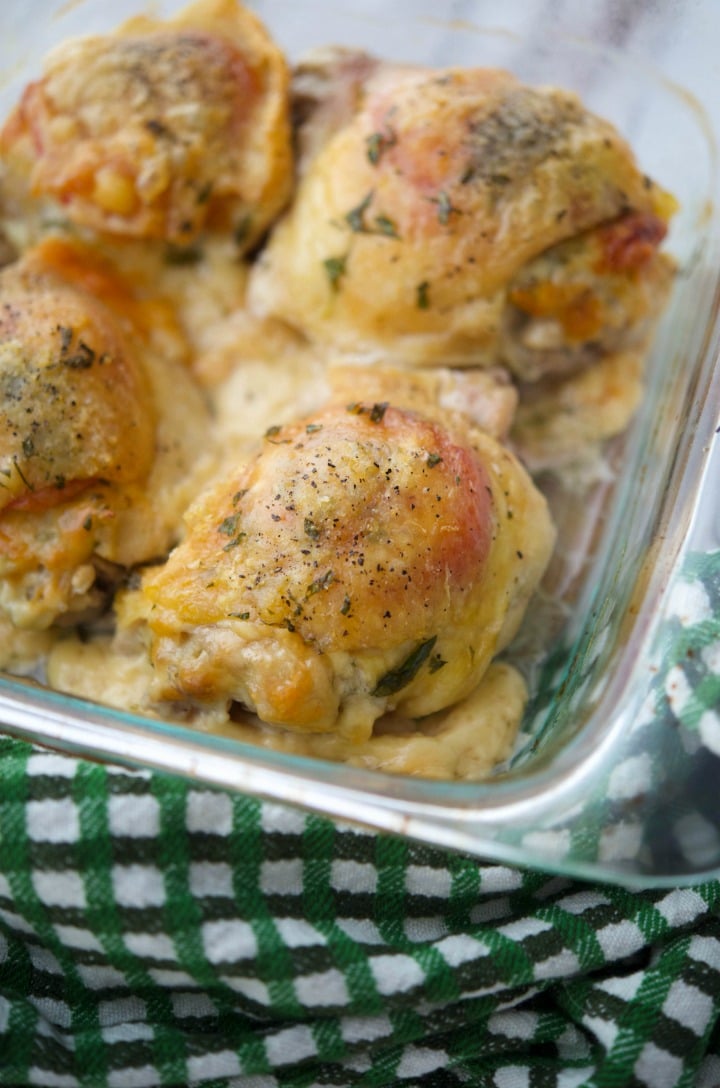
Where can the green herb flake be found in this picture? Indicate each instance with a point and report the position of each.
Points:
(311, 529)
(335, 268)
(239, 615)
(236, 540)
(28, 446)
(436, 662)
(182, 255)
(386, 226)
(445, 208)
(204, 193)
(272, 431)
(313, 428)
(87, 524)
(59, 480)
(355, 218)
(397, 679)
(423, 297)
(345, 608)
(66, 336)
(377, 412)
(82, 359)
(324, 582)
(239, 495)
(433, 459)
(242, 230)
(379, 142)
(228, 527)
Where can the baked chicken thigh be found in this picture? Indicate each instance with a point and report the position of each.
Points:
(459, 217)
(99, 434)
(159, 129)
(371, 557)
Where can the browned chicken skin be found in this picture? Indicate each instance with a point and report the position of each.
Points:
(369, 558)
(92, 455)
(458, 217)
(160, 129)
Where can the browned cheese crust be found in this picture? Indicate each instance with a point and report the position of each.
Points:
(459, 217)
(93, 456)
(161, 128)
(369, 558)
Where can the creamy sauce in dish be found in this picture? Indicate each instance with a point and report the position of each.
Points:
(273, 397)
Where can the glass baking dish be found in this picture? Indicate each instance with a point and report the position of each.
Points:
(599, 785)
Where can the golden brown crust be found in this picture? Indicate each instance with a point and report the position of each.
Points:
(76, 405)
(99, 433)
(412, 219)
(368, 558)
(161, 128)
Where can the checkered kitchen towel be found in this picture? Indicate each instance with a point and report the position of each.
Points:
(157, 933)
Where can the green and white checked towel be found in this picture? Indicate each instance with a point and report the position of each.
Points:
(156, 933)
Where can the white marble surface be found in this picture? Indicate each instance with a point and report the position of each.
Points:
(680, 37)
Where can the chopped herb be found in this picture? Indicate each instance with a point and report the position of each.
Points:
(382, 224)
(272, 431)
(239, 495)
(28, 446)
(345, 606)
(376, 413)
(397, 679)
(311, 428)
(321, 583)
(81, 359)
(182, 255)
(20, 473)
(235, 542)
(239, 615)
(423, 300)
(311, 529)
(204, 193)
(66, 335)
(228, 527)
(433, 459)
(377, 143)
(335, 269)
(289, 624)
(445, 207)
(157, 128)
(386, 226)
(242, 230)
(87, 524)
(355, 218)
(436, 663)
